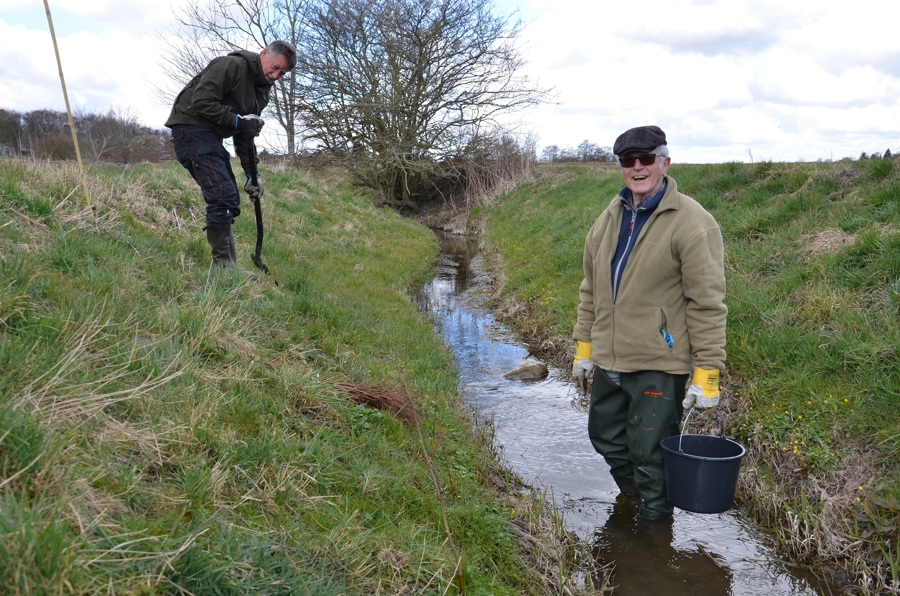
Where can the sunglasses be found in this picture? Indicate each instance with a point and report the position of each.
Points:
(646, 160)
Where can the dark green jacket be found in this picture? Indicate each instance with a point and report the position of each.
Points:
(228, 86)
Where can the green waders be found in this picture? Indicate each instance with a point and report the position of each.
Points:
(626, 424)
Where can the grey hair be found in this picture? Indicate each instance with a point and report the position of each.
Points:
(662, 151)
(285, 49)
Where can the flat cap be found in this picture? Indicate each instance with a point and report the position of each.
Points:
(641, 138)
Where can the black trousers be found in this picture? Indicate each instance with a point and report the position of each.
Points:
(626, 423)
(201, 152)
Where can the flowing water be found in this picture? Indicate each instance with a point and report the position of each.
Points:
(542, 433)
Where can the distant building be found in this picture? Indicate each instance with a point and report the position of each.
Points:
(6, 150)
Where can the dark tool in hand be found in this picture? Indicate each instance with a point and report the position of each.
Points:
(254, 179)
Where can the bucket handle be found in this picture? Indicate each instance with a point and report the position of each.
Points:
(684, 426)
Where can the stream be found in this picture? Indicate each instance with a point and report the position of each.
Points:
(541, 433)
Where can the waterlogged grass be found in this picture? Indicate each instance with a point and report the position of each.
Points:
(813, 273)
(167, 428)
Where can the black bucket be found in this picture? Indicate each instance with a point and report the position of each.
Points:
(701, 471)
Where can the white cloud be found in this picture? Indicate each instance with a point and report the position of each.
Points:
(103, 68)
(808, 79)
(89, 14)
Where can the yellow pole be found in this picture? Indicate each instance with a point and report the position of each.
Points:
(62, 80)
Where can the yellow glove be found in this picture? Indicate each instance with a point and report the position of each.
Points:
(704, 389)
(583, 367)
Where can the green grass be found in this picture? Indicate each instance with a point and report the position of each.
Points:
(167, 428)
(813, 273)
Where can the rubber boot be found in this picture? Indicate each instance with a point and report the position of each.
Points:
(224, 250)
(221, 241)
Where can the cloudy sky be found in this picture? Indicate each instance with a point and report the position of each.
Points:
(728, 80)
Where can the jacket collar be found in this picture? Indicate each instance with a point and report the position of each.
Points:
(254, 64)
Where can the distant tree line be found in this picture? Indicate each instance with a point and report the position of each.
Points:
(115, 137)
(887, 155)
(584, 152)
(589, 152)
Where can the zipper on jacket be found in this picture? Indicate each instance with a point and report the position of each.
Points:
(612, 344)
(617, 276)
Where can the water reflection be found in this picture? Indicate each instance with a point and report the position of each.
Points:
(646, 560)
(542, 434)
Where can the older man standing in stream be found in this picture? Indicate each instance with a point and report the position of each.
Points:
(652, 315)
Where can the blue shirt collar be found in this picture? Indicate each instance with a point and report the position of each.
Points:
(649, 203)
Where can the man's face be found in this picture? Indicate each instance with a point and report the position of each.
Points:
(644, 180)
(274, 65)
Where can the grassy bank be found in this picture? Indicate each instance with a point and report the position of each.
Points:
(167, 428)
(813, 380)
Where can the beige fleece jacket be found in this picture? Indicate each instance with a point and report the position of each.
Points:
(674, 279)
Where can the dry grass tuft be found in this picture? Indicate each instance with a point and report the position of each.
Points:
(830, 240)
(62, 399)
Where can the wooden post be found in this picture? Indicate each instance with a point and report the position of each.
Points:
(62, 81)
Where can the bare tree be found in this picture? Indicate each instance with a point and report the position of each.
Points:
(106, 137)
(587, 151)
(118, 136)
(550, 153)
(212, 28)
(44, 123)
(11, 131)
(409, 88)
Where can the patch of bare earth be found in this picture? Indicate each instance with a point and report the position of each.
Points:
(829, 240)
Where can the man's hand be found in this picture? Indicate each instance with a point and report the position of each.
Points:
(583, 367)
(251, 124)
(704, 389)
(255, 192)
